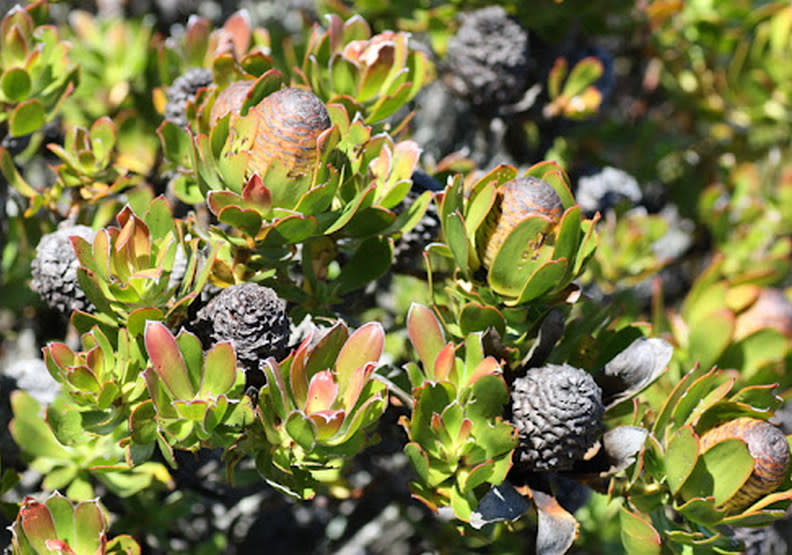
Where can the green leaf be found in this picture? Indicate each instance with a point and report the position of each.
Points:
(710, 336)
(371, 260)
(489, 395)
(638, 536)
(664, 417)
(481, 200)
(103, 138)
(89, 527)
(545, 278)
(518, 256)
(15, 84)
(343, 75)
(268, 83)
(219, 372)
(760, 397)
(65, 422)
(362, 200)
(568, 234)
(419, 460)
(556, 77)
(136, 322)
(458, 241)
(27, 117)
(696, 393)
(143, 424)
(324, 354)
(702, 511)
(288, 231)
(276, 388)
(585, 73)
(192, 411)
(13, 177)
(62, 512)
(30, 431)
(159, 218)
(388, 105)
(373, 220)
(246, 220)
(730, 464)
(478, 475)
(301, 429)
(681, 457)
(192, 351)
(477, 317)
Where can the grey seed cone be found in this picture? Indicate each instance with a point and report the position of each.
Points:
(54, 270)
(557, 410)
(489, 59)
(183, 90)
(252, 317)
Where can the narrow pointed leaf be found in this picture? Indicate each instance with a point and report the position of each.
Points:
(426, 335)
(444, 363)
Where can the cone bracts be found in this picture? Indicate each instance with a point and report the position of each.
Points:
(769, 448)
(516, 200)
(252, 318)
(284, 126)
(557, 410)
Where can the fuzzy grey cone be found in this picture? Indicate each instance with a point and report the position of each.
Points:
(605, 189)
(489, 58)
(557, 410)
(252, 317)
(766, 540)
(54, 270)
(183, 90)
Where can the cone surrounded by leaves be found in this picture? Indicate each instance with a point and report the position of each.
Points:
(183, 90)
(252, 317)
(54, 270)
(516, 200)
(769, 448)
(557, 410)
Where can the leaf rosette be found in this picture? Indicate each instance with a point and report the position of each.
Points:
(196, 398)
(459, 444)
(317, 408)
(59, 526)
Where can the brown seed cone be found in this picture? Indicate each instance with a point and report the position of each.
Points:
(769, 448)
(516, 200)
(289, 122)
(230, 100)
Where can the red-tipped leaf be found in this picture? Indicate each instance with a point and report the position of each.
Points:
(322, 392)
(425, 333)
(444, 363)
(167, 360)
(365, 345)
